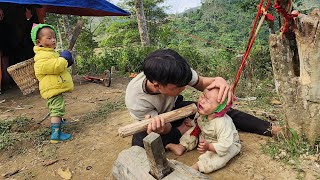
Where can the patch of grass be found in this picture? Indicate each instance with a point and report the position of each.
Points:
(12, 130)
(96, 116)
(5, 127)
(6, 140)
(18, 124)
(290, 148)
(39, 136)
(22, 129)
(49, 151)
(21, 124)
(104, 110)
(263, 90)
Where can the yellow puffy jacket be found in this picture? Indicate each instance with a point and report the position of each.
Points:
(51, 71)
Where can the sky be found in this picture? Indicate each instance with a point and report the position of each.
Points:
(175, 6)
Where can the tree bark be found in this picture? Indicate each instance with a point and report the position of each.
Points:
(60, 37)
(296, 64)
(142, 23)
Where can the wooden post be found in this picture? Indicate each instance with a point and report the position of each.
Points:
(159, 166)
(295, 61)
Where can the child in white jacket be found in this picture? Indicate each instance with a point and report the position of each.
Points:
(218, 139)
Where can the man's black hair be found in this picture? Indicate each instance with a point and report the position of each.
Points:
(166, 66)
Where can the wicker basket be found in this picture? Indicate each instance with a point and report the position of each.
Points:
(23, 74)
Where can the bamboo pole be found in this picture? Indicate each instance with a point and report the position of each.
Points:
(171, 116)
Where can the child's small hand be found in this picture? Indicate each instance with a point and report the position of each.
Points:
(203, 146)
(68, 56)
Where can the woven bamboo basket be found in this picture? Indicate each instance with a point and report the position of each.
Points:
(23, 74)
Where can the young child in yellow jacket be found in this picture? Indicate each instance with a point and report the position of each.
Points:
(51, 70)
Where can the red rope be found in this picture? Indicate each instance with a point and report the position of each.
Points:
(288, 17)
(288, 20)
(251, 40)
(196, 131)
(267, 6)
(255, 22)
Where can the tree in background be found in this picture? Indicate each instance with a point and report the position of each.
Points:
(119, 38)
(122, 31)
(142, 23)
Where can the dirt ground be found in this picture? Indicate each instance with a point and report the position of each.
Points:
(94, 148)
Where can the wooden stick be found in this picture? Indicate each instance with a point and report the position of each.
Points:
(171, 116)
(44, 118)
(75, 34)
(7, 175)
(48, 163)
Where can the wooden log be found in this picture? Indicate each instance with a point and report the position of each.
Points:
(132, 164)
(171, 116)
(159, 165)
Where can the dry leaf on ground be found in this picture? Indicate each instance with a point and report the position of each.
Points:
(64, 173)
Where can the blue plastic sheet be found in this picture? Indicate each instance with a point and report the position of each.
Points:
(76, 7)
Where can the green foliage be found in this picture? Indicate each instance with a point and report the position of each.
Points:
(195, 58)
(122, 32)
(227, 26)
(130, 59)
(86, 44)
(190, 94)
(5, 127)
(126, 59)
(304, 6)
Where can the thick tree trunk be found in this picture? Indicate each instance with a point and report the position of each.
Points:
(142, 23)
(296, 65)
